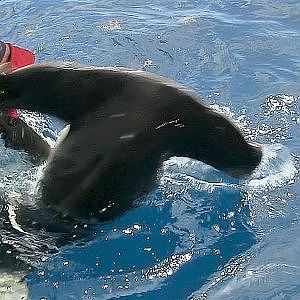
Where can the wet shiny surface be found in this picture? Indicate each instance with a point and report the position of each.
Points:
(200, 234)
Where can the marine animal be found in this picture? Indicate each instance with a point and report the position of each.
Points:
(123, 125)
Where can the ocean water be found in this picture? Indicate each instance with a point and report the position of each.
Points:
(200, 234)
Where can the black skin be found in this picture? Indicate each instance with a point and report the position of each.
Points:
(124, 124)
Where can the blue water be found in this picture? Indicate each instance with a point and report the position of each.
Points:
(200, 234)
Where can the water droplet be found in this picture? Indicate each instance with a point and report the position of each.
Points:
(137, 226)
(128, 231)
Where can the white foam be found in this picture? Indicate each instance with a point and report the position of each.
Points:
(13, 286)
(277, 168)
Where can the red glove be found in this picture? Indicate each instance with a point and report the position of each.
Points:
(19, 58)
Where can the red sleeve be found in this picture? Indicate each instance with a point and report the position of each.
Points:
(20, 57)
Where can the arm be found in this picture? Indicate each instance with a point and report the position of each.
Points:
(18, 57)
(17, 132)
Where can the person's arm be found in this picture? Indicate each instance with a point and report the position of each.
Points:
(20, 57)
(17, 56)
(17, 132)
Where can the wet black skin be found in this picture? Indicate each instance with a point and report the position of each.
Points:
(124, 124)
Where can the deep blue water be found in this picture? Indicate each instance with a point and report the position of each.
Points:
(200, 234)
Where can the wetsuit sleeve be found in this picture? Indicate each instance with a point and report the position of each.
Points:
(20, 57)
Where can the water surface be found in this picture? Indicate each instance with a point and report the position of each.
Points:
(200, 234)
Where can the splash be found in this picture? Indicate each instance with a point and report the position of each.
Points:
(276, 169)
(12, 286)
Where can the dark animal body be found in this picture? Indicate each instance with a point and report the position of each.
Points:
(124, 124)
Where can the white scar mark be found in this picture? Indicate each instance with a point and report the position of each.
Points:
(129, 136)
(175, 122)
(120, 115)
